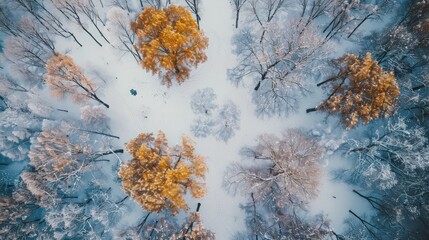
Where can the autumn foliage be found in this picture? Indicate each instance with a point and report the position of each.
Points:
(361, 90)
(158, 176)
(65, 77)
(170, 42)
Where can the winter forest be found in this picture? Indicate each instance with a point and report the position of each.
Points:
(214, 119)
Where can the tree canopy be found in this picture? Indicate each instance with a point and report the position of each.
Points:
(170, 42)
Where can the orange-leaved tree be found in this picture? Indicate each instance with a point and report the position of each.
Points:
(63, 77)
(158, 176)
(170, 42)
(361, 90)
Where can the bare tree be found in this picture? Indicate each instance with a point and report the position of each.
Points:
(123, 4)
(348, 16)
(64, 77)
(17, 216)
(340, 18)
(158, 4)
(372, 11)
(118, 24)
(228, 121)
(61, 153)
(238, 5)
(94, 118)
(89, 9)
(194, 5)
(264, 12)
(204, 101)
(313, 9)
(17, 126)
(265, 222)
(29, 50)
(390, 152)
(7, 20)
(72, 11)
(42, 14)
(278, 65)
(285, 170)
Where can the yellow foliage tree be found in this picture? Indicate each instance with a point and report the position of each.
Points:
(65, 77)
(170, 42)
(158, 176)
(361, 90)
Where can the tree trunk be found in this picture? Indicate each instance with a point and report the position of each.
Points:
(110, 152)
(123, 199)
(257, 86)
(309, 110)
(100, 133)
(140, 226)
(198, 20)
(192, 223)
(327, 80)
(418, 87)
(237, 15)
(153, 230)
(100, 101)
(361, 22)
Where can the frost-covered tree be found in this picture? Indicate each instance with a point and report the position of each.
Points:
(76, 10)
(17, 126)
(67, 221)
(43, 15)
(44, 194)
(194, 229)
(28, 50)
(94, 118)
(158, 4)
(204, 101)
(263, 12)
(120, 34)
(346, 17)
(61, 153)
(221, 122)
(203, 126)
(372, 9)
(265, 222)
(127, 5)
(283, 169)
(162, 227)
(7, 20)
(391, 151)
(228, 121)
(89, 219)
(17, 214)
(390, 161)
(64, 77)
(238, 5)
(277, 65)
(343, 14)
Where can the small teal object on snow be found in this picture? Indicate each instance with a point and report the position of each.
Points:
(133, 92)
